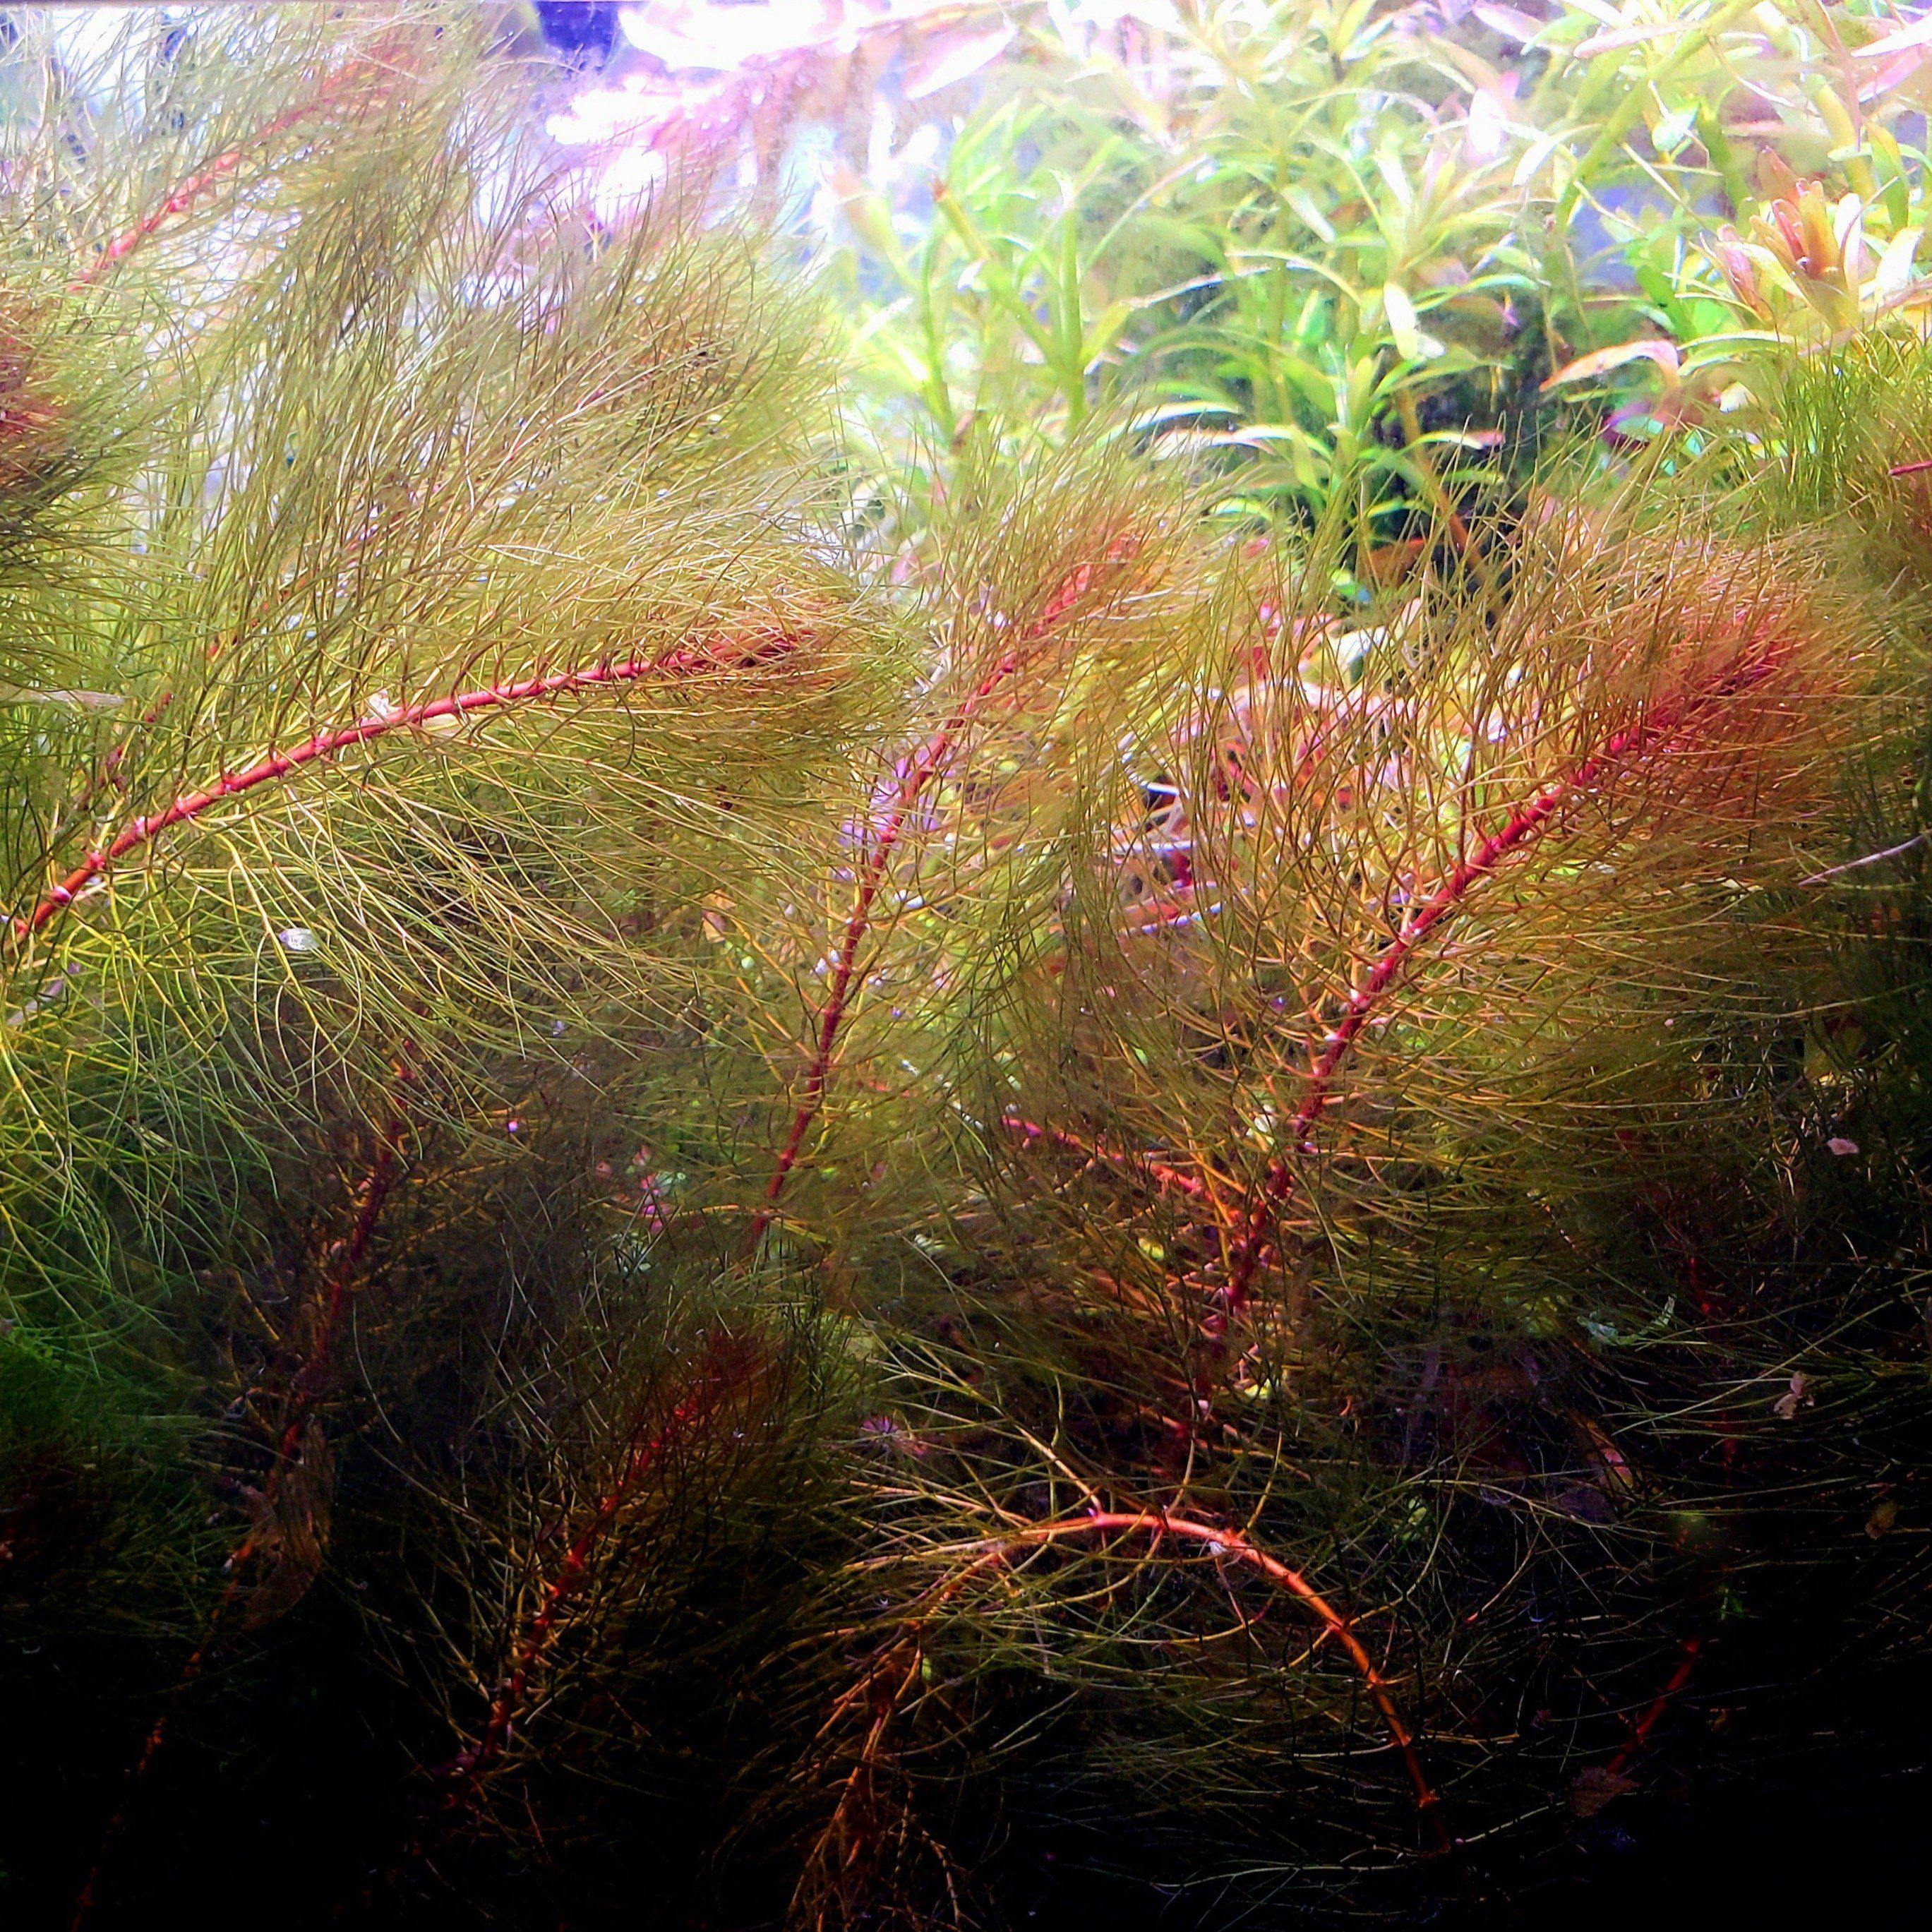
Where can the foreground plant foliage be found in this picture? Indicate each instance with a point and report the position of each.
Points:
(688, 1217)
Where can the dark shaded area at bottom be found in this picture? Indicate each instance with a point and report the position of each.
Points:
(1825, 1829)
(1828, 1827)
(1827, 1837)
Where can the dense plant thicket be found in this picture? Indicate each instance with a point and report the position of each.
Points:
(1309, 246)
(1081, 1210)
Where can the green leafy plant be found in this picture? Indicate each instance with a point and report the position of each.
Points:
(694, 1204)
(1348, 242)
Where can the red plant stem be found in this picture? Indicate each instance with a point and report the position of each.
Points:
(1149, 1522)
(930, 757)
(191, 189)
(327, 745)
(857, 1783)
(371, 1196)
(109, 772)
(721, 1372)
(1231, 1543)
(88, 1897)
(313, 1377)
(1640, 1732)
(1155, 1170)
(184, 198)
(915, 773)
(1518, 832)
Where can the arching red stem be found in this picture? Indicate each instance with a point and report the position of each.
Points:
(900, 1664)
(327, 744)
(1232, 1543)
(1517, 834)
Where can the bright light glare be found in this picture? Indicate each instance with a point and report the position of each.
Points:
(703, 36)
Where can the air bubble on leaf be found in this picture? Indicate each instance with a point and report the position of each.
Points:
(1674, 130)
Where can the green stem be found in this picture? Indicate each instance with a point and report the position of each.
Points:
(1624, 116)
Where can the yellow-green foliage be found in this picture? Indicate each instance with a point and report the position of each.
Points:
(681, 1213)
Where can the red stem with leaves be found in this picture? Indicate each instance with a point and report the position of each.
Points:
(194, 187)
(311, 1379)
(1159, 1172)
(325, 745)
(346, 1257)
(915, 773)
(721, 1375)
(1516, 835)
(1154, 1524)
(1686, 1664)
(1233, 1546)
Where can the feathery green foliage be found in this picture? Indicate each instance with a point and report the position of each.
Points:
(688, 1213)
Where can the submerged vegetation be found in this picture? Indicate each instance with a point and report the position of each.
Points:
(1137, 1119)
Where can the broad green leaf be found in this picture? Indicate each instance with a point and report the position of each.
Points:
(1894, 266)
(1411, 343)
(1601, 361)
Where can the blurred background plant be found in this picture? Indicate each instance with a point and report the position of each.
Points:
(1387, 249)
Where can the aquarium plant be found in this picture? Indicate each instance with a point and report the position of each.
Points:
(1077, 1209)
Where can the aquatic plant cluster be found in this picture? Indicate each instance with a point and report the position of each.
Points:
(788, 1149)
